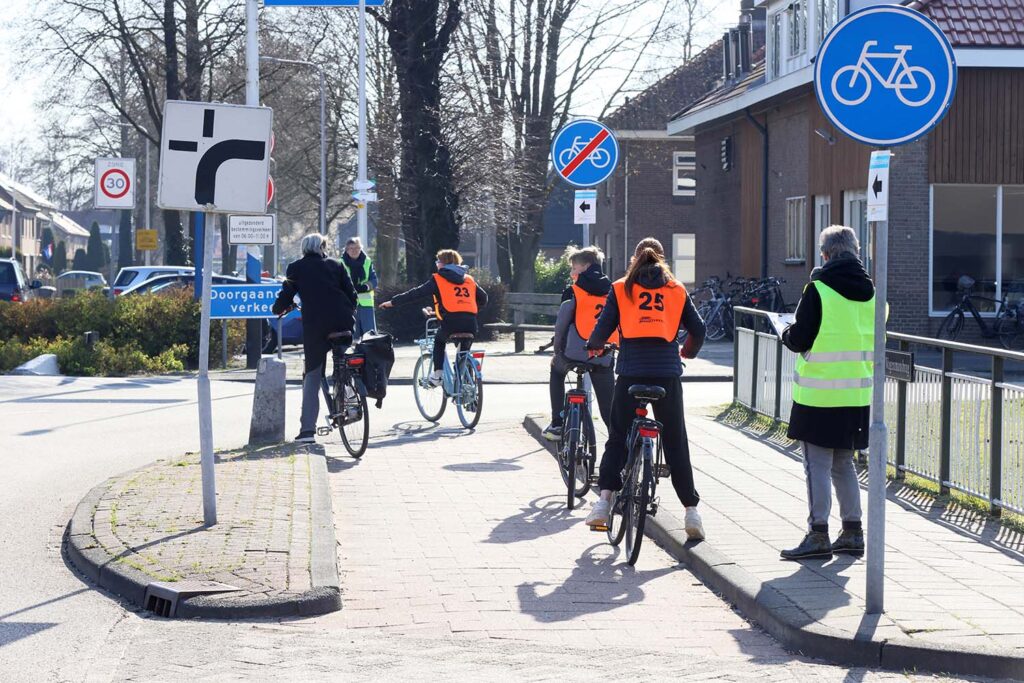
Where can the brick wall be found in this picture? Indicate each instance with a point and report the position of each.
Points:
(908, 240)
(717, 209)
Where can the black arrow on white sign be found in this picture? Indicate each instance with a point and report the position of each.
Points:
(876, 187)
(584, 206)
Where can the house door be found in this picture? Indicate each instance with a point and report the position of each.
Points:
(822, 219)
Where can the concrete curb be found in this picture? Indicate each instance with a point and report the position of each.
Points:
(791, 626)
(103, 570)
(407, 382)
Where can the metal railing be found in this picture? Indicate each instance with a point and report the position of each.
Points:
(963, 430)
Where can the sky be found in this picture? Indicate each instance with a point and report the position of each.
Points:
(19, 92)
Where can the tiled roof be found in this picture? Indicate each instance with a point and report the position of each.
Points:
(977, 23)
(726, 91)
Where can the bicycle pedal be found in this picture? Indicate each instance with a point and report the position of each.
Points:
(598, 527)
(663, 471)
(654, 509)
(323, 431)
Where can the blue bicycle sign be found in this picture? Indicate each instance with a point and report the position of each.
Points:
(584, 153)
(885, 75)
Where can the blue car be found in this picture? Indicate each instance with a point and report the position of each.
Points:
(291, 330)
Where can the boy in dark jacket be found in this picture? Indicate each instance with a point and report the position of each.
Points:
(457, 300)
(829, 417)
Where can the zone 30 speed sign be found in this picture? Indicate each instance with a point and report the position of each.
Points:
(115, 184)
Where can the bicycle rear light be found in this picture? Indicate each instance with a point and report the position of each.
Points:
(577, 398)
(355, 361)
(478, 356)
(642, 412)
(649, 432)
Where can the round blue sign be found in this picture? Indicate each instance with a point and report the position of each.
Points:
(885, 75)
(584, 153)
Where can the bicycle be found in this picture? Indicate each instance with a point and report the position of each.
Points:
(577, 448)
(599, 157)
(902, 77)
(461, 383)
(645, 465)
(1008, 326)
(346, 400)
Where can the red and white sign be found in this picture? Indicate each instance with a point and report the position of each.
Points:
(270, 190)
(115, 184)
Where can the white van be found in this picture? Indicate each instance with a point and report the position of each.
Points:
(135, 275)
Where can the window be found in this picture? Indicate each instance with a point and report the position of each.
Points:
(797, 15)
(684, 174)
(855, 215)
(684, 257)
(774, 45)
(828, 16)
(978, 231)
(726, 153)
(796, 229)
(822, 219)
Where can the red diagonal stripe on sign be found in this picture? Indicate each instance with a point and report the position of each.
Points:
(587, 151)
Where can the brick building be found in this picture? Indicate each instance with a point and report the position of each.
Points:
(772, 171)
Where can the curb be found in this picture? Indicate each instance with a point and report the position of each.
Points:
(786, 622)
(97, 565)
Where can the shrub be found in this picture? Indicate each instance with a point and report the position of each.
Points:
(552, 275)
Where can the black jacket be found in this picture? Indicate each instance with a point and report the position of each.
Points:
(649, 357)
(451, 322)
(828, 427)
(328, 302)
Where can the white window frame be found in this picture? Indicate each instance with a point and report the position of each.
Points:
(796, 244)
(932, 313)
(865, 238)
(684, 163)
(792, 23)
(776, 29)
(822, 202)
(819, 19)
(678, 258)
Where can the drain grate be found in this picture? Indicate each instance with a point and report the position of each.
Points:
(162, 596)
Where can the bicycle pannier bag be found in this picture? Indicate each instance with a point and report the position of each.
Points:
(380, 357)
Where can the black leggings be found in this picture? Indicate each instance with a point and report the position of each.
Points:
(668, 411)
(602, 380)
(441, 340)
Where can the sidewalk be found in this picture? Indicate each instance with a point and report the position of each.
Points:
(272, 548)
(503, 366)
(954, 579)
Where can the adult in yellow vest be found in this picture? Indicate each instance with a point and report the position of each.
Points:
(577, 317)
(364, 279)
(834, 335)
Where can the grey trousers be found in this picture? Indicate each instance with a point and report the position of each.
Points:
(311, 383)
(365, 321)
(825, 468)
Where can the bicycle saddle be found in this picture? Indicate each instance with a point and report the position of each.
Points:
(647, 392)
(461, 335)
(965, 283)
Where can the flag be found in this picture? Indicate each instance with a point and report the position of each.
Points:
(48, 253)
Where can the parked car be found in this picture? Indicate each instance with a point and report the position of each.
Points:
(135, 275)
(13, 286)
(74, 281)
(168, 282)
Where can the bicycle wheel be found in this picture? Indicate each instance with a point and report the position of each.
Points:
(618, 518)
(430, 401)
(1010, 330)
(715, 325)
(582, 471)
(568, 452)
(354, 417)
(640, 497)
(470, 394)
(952, 325)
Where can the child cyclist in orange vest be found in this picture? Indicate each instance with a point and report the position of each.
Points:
(457, 300)
(650, 308)
(577, 317)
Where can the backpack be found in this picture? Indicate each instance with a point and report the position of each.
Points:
(380, 357)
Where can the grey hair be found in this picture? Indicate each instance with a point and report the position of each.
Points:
(354, 240)
(313, 243)
(839, 240)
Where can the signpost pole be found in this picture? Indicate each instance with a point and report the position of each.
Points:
(205, 405)
(149, 216)
(253, 329)
(878, 433)
(361, 216)
(323, 155)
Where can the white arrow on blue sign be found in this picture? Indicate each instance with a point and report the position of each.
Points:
(885, 75)
(584, 153)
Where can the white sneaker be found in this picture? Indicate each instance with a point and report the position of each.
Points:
(597, 520)
(435, 378)
(694, 527)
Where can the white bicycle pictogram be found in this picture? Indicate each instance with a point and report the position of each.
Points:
(902, 77)
(599, 157)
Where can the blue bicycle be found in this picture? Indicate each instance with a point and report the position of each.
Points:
(462, 382)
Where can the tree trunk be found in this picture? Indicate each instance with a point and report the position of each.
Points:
(124, 240)
(227, 251)
(174, 239)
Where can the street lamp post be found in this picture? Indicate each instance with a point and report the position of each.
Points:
(323, 131)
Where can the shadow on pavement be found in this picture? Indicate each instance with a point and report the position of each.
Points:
(499, 465)
(536, 520)
(595, 585)
(806, 593)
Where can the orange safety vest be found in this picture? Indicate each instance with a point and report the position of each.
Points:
(454, 298)
(650, 313)
(588, 310)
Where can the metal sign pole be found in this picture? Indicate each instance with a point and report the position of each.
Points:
(323, 155)
(205, 403)
(361, 180)
(149, 216)
(280, 321)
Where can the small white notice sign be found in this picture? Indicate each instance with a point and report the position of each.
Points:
(251, 229)
(878, 186)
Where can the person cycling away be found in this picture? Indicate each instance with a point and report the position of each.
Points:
(457, 300)
(328, 308)
(650, 308)
(577, 317)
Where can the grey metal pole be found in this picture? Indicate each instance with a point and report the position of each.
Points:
(280, 322)
(149, 216)
(205, 404)
(323, 152)
(252, 54)
(224, 342)
(361, 215)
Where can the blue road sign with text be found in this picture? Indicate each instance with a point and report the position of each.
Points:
(321, 3)
(243, 301)
(885, 75)
(584, 153)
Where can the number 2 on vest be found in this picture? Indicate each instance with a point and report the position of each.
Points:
(462, 291)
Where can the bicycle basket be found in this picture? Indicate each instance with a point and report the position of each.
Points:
(965, 283)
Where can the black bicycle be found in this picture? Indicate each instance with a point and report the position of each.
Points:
(346, 400)
(645, 464)
(577, 449)
(1008, 325)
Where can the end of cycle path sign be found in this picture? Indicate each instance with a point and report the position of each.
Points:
(115, 183)
(584, 153)
(885, 75)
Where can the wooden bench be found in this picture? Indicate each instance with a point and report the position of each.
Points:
(522, 304)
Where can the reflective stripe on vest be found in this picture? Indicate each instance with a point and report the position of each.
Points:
(588, 310)
(838, 370)
(366, 298)
(455, 298)
(650, 313)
